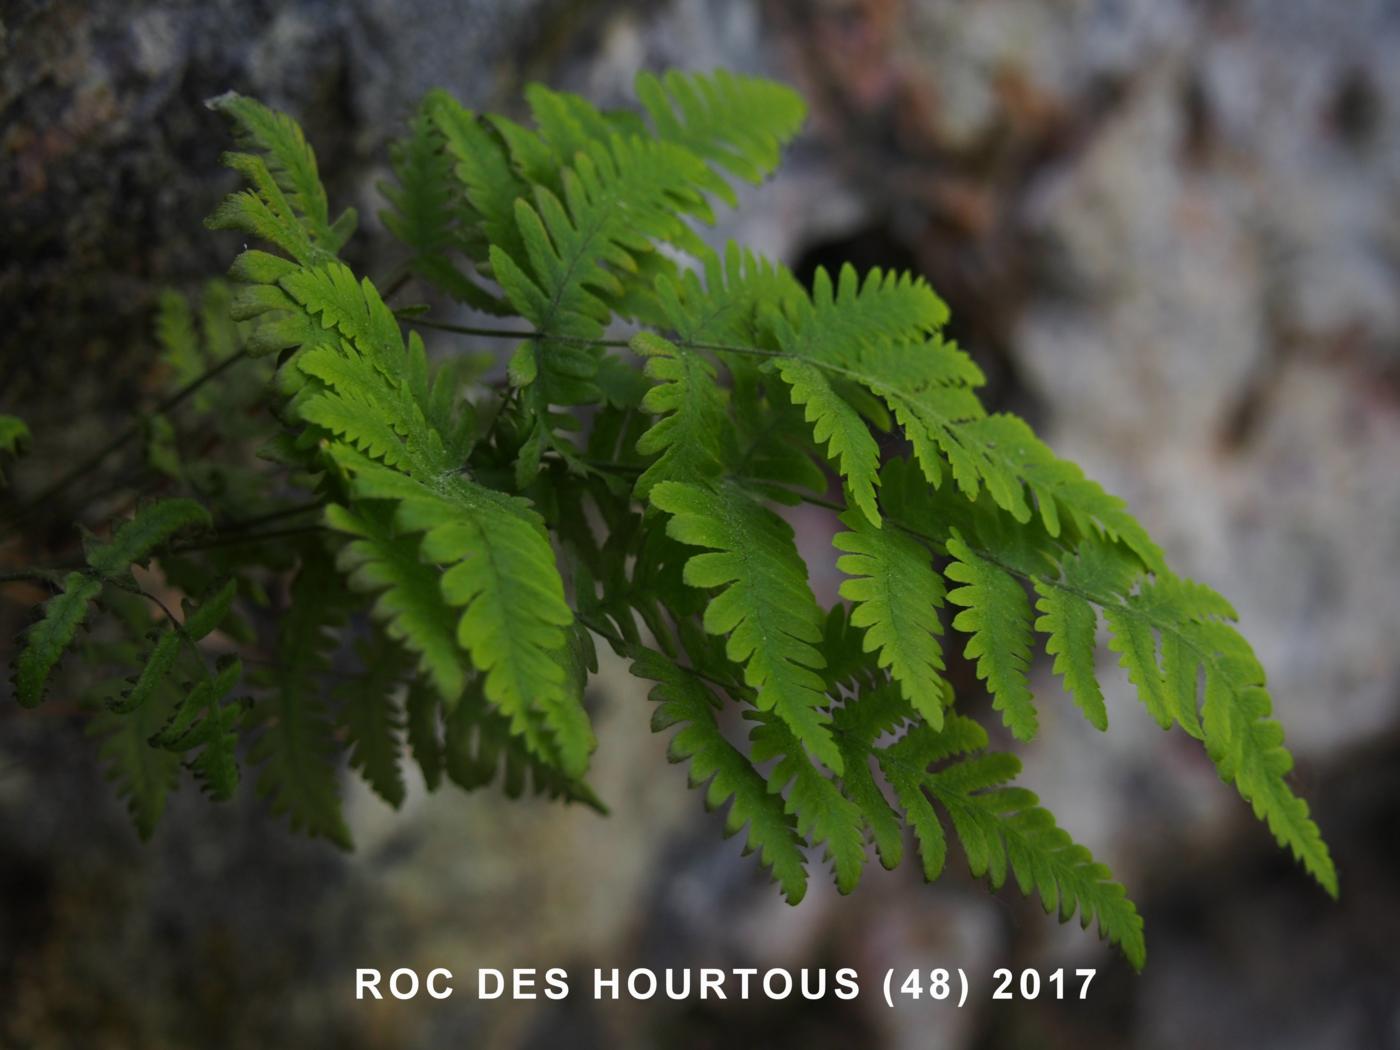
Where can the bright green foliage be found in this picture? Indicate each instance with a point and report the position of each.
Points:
(764, 605)
(838, 426)
(434, 552)
(825, 817)
(687, 702)
(895, 596)
(409, 599)
(691, 433)
(699, 111)
(500, 570)
(286, 203)
(997, 621)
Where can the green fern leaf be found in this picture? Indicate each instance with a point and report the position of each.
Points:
(1233, 715)
(996, 617)
(619, 197)
(1249, 750)
(1003, 827)
(1060, 488)
(285, 155)
(839, 427)
(825, 817)
(1132, 638)
(45, 642)
(409, 600)
(425, 210)
(501, 571)
(480, 746)
(1069, 620)
(691, 433)
(200, 621)
(859, 723)
(905, 764)
(896, 597)
(136, 540)
(201, 720)
(685, 701)
(725, 308)
(483, 169)
(765, 606)
(133, 542)
(737, 122)
(847, 322)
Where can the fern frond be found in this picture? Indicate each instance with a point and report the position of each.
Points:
(288, 185)
(737, 122)
(882, 334)
(1069, 620)
(501, 572)
(568, 123)
(764, 605)
(480, 746)
(136, 540)
(1248, 747)
(409, 600)
(1001, 827)
(331, 295)
(201, 620)
(656, 487)
(859, 724)
(1168, 633)
(692, 433)
(46, 641)
(685, 701)
(483, 169)
(1004, 828)
(905, 764)
(843, 323)
(896, 596)
(839, 427)
(996, 617)
(619, 197)
(1059, 487)
(825, 817)
(725, 307)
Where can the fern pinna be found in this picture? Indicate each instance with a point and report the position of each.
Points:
(463, 534)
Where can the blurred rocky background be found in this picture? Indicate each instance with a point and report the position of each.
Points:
(1170, 232)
